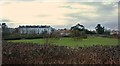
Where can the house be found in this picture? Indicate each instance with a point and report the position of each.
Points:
(64, 32)
(114, 32)
(34, 29)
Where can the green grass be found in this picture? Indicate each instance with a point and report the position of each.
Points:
(70, 42)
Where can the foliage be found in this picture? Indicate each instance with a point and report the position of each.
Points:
(107, 32)
(50, 38)
(4, 30)
(78, 27)
(89, 32)
(78, 32)
(76, 35)
(27, 53)
(99, 29)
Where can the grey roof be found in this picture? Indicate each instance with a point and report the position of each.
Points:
(34, 26)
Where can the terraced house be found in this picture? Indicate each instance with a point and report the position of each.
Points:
(34, 29)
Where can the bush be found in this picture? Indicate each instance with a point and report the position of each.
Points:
(22, 36)
(85, 37)
(76, 35)
(19, 53)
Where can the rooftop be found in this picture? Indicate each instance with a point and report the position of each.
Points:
(29, 26)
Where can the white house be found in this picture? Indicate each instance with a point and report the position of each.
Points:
(34, 29)
(114, 32)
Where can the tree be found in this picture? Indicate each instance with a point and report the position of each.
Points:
(55, 36)
(78, 27)
(99, 29)
(78, 32)
(46, 37)
(107, 32)
(5, 30)
(50, 38)
(89, 32)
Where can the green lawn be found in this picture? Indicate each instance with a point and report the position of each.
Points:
(70, 42)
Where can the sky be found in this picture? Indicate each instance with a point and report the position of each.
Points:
(60, 13)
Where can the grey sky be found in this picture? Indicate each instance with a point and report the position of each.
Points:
(61, 15)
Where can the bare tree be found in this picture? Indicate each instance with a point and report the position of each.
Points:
(55, 36)
(50, 38)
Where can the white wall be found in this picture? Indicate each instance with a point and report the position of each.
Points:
(33, 30)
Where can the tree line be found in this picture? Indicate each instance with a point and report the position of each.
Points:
(77, 32)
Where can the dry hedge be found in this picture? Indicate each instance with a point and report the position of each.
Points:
(18, 53)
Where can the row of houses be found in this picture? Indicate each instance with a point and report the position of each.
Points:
(28, 29)
(34, 29)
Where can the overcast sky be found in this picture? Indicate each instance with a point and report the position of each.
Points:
(59, 13)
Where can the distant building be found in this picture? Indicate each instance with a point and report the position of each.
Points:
(114, 32)
(64, 32)
(34, 29)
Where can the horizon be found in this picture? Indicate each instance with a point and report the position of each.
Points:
(58, 28)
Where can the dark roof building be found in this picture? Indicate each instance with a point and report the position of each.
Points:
(34, 29)
(34, 26)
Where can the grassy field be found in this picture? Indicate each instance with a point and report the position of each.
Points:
(70, 42)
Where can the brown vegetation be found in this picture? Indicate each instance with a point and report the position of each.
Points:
(17, 53)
